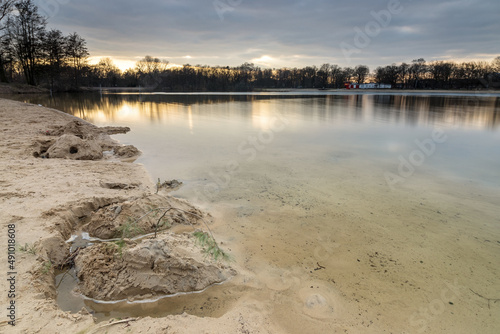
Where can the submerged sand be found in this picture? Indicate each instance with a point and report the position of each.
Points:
(381, 260)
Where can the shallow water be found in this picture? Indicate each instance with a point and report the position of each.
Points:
(344, 212)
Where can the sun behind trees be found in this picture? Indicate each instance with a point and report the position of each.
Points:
(32, 54)
(158, 75)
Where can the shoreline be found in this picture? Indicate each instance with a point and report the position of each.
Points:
(22, 89)
(33, 191)
(305, 91)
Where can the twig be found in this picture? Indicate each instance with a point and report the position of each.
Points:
(177, 209)
(189, 213)
(70, 258)
(319, 266)
(111, 324)
(159, 220)
(62, 279)
(488, 299)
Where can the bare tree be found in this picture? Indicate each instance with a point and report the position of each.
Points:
(441, 71)
(388, 74)
(107, 72)
(5, 10)
(76, 51)
(361, 72)
(403, 73)
(495, 65)
(150, 69)
(54, 53)
(337, 78)
(347, 74)
(417, 70)
(26, 30)
(324, 75)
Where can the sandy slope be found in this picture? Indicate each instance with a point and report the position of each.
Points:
(31, 187)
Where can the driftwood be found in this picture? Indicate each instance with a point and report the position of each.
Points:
(111, 324)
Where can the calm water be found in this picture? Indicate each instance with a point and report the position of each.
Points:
(190, 136)
(394, 196)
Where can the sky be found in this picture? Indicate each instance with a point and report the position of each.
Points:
(279, 33)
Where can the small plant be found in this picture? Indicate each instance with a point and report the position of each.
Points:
(209, 246)
(120, 245)
(130, 229)
(116, 247)
(46, 267)
(27, 248)
(127, 230)
(205, 239)
(158, 185)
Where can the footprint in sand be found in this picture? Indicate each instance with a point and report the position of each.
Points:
(277, 279)
(319, 301)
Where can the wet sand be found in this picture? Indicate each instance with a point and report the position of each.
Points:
(343, 252)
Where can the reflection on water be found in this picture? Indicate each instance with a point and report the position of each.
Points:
(179, 132)
(466, 111)
(205, 304)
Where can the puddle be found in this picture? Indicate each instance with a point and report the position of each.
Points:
(67, 298)
(213, 302)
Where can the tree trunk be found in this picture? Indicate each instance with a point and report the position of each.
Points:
(3, 75)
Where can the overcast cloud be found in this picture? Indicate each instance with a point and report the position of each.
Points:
(282, 33)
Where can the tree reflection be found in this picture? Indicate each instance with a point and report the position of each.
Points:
(464, 111)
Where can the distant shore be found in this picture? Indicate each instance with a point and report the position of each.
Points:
(11, 89)
(391, 91)
(21, 89)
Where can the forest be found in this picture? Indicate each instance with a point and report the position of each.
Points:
(33, 54)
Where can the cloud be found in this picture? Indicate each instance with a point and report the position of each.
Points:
(249, 30)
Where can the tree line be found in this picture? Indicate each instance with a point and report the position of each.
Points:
(31, 53)
(419, 74)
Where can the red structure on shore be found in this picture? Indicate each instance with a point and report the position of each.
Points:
(353, 85)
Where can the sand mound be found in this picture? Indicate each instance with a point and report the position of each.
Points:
(73, 147)
(155, 267)
(128, 151)
(115, 220)
(86, 130)
(78, 140)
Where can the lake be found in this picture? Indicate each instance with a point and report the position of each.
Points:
(369, 212)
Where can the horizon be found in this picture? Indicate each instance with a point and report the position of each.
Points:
(281, 34)
(130, 64)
